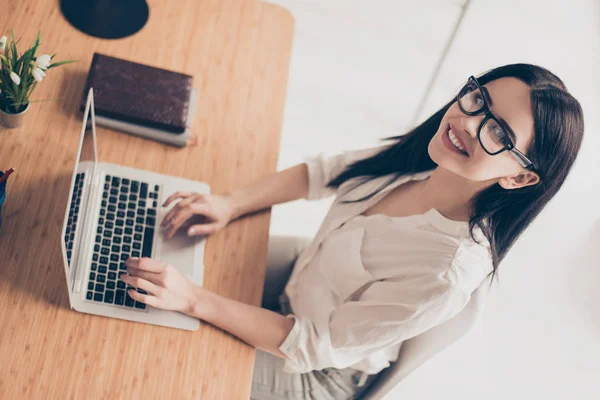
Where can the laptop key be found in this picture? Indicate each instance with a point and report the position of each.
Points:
(94, 266)
(126, 248)
(99, 287)
(120, 214)
(108, 225)
(122, 197)
(112, 267)
(144, 191)
(150, 221)
(139, 228)
(135, 253)
(128, 231)
(92, 276)
(89, 295)
(151, 212)
(110, 285)
(129, 302)
(102, 269)
(119, 222)
(113, 275)
(141, 306)
(139, 220)
(115, 248)
(98, 297)
(122, 206)
(109, 296)
(104, 260)
(90, 286)
(118, 231)
(117, 240)
(119, 297)
(100, 278)
(105, 251)
(125, 181)
(124, 257)
(114, 257)
(126, 239)
(120, 285)
(137, 245)
(130, 214)
(148, 239)
(115, 181)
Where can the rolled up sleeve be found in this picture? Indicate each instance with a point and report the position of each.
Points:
(387, 313)
(323, 168)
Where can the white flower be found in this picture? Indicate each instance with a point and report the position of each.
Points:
(38, 74)
(43, 61)
(15, 78)
(2, 44)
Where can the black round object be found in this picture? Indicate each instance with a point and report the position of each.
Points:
(108, 19)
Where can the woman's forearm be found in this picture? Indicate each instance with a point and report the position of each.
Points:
(281, 187)
(256, 326)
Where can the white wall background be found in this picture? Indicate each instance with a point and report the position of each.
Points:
(358, 72)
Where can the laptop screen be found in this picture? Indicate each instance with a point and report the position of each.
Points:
(79, 190)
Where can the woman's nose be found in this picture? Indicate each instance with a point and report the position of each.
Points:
(470, 124)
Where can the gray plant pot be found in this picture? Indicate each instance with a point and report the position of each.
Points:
(9, 120)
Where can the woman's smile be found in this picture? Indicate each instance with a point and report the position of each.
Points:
(449, 143)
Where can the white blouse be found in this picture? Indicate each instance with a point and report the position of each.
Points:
(367, 283)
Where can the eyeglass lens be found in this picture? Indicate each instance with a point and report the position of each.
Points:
(493, 136)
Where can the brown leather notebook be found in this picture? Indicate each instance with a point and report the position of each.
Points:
(139, 93)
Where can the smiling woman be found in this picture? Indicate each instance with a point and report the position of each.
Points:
(417, 229)
(514, 106)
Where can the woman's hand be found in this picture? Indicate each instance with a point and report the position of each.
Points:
(215, 211)
(167, 288)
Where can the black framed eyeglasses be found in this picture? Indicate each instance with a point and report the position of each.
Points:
(494, 135)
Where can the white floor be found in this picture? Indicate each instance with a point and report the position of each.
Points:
(359, 71)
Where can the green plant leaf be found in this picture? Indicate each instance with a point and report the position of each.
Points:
(14, 50)
(56, 64)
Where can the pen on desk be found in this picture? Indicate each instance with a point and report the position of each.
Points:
(4, 177)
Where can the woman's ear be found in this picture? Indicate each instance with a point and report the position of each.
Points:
(524, 178)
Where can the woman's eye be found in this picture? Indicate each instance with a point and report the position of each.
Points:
(478, 100)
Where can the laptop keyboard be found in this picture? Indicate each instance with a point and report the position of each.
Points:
(125, 228)
(73, 215)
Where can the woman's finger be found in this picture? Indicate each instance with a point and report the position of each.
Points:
(145, 264)
(183, 216)
(152, 277)
(141, 283)
(177, 208)
(203, 229)
(175, 196)
(143, 298)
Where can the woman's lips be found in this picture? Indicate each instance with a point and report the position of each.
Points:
(448, 143)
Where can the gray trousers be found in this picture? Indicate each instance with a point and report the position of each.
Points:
(269, 381)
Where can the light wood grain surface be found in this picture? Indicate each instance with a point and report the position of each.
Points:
(238, 53)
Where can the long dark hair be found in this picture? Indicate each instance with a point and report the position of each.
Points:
(558, 132)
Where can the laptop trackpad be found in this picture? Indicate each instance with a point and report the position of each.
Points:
(179, 251)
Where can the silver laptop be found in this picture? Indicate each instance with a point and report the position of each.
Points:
(115, 212)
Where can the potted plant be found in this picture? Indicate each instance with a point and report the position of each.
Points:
(19, 75)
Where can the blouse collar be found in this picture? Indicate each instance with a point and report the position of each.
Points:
(433, 216)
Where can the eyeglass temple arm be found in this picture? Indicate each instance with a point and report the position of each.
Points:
(520, 157)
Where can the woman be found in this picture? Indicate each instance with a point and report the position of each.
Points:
(417, 226)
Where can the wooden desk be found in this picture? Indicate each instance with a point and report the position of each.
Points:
(238, 52)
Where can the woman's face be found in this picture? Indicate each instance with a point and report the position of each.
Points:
(511, 102)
